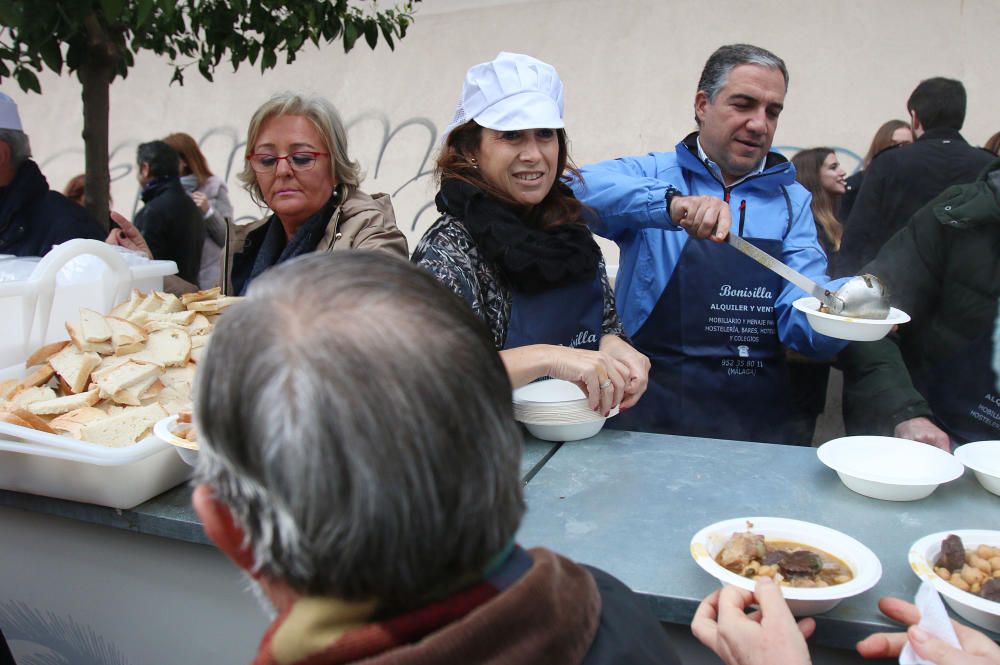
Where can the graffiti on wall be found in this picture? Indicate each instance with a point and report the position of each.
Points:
(395, 158)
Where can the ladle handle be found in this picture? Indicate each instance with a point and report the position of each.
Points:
(835, 304)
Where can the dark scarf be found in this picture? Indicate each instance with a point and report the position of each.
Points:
(156, 186)
(533, 260)
(274, 249)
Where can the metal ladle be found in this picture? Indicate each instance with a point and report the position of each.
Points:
(861, 297)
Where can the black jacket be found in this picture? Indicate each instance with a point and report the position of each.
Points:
(900, 182)
(943, 270)
(172, 225)
(33, 218)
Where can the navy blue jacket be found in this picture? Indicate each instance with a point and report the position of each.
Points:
(33, 218)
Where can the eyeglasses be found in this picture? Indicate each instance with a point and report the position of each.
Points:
(298, 161)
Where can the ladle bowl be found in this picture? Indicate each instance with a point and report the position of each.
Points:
(863, 297)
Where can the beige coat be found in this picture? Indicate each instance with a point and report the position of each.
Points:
(361, 222)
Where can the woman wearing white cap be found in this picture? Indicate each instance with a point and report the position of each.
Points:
(513, 241)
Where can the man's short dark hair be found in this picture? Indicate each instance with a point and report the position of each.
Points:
(939, 103)
(718, 66)
(161, 158)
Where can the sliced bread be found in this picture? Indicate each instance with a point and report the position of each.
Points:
(74, 366)
(60, 405)
(124, 427)
(94, 326)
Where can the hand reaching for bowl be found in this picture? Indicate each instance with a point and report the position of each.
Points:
(923, 430)
(977, 649)
(767, 635)
(638, 367)
(601, 377)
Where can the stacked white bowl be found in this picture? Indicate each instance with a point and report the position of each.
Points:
(556, 410)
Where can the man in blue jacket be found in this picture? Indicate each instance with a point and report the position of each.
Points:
(713, 322)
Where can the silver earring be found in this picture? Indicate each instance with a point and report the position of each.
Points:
(474, 163)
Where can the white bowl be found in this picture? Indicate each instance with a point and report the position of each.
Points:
(553, 430)
(865, 566)
(983, 457)
(549, 391)
(972, 608)
(883, 467)
(164, 430)
(844, 327)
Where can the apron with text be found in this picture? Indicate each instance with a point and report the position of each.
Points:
(718, 368)
(567, 316)
(962, 393)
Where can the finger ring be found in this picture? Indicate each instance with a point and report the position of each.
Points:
(606, 384)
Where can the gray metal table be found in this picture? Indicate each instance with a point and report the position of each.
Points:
(170, 514)
(629, 503)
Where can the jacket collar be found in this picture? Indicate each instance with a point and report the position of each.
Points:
(517, 615)
(778, 171)
(158, 185)
(942, 134)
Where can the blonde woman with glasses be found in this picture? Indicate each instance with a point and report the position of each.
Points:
(298, 167)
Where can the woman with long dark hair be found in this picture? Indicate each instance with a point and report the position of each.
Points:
(820, 172)
(512, 240)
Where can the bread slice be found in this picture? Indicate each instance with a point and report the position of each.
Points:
(59, 405)
(197, 296)
(132, 396)
(129, 373)
(125, 427)
(168, 302)
(13, 419)
(76, 336)
(213, 306)
(74, 421)
(199, 326)
(75, 366)
(9, 388)
(33, 394)
(34, 422)
(93, 326)
(179, 375)
(175, 398)
(180, 318)
(44, 353)
(124, 309)
(39, 375)
(153, 326)
(124, 333)
(168, 347)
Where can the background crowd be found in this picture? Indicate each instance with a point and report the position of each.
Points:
(694, 339)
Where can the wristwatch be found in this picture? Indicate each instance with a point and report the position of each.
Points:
(668, 197)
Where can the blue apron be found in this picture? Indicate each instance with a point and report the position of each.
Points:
(962, 393)
(718, 368)
(567, 316)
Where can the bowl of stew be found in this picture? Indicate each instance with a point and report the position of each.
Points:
(964, 576)
(815, 566)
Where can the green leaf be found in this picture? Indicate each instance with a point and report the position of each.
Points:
(371, 33)
(268, 59)
(350, 33)
(144, 9)
(205, 69)
(252, 52)
(51, 55)
(9, 15)
(112, 9)
(27, 80)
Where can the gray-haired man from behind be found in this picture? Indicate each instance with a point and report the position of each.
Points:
(362, 465)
